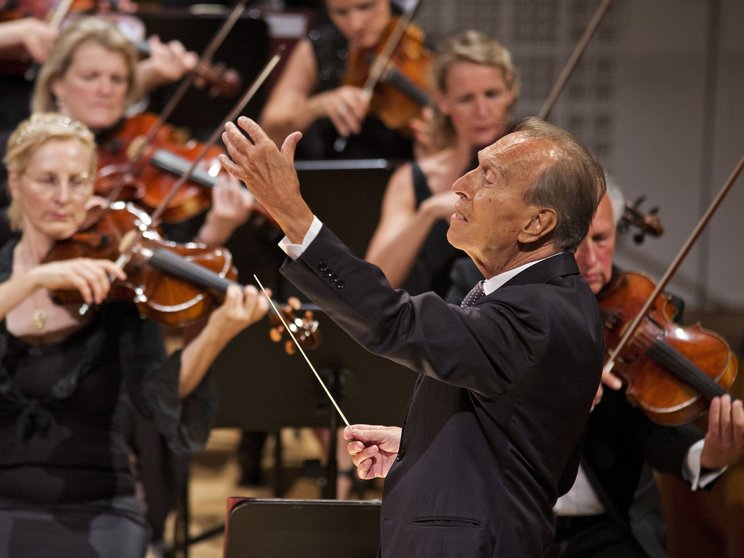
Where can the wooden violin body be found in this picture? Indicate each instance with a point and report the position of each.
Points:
(671, 371)
(149, 180)
(174, 284)
(403, 88)
(163, 297)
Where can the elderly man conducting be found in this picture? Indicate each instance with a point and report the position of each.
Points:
(506, 380)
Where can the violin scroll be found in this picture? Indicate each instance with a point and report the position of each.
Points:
(633, 217)
(304, 329)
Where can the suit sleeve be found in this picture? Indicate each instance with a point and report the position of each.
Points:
(422, 332)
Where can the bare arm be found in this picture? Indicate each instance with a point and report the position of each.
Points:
(27, 36)
(90, 277)
(239, 310)
(291, 107)
(403, 228)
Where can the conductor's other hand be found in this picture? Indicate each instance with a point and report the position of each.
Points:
(269, 174)
(372, 448)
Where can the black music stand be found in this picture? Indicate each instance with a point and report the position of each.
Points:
(262, 388)
(346, 195)
(308, 528)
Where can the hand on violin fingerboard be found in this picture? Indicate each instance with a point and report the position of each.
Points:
(423, 142)
(724, 440)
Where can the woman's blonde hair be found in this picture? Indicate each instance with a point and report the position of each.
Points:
(88, 29)
(32, 134)
(468, 46)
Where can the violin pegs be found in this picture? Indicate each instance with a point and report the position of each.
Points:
(289, 347)
(294, 303)
(275, 334)
(309, 315)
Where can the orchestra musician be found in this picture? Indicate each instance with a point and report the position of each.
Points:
(30, 39)
(488, 445)
(601, 512)
(91, 76)
(309, 95)
(475, 91)
(66, 488)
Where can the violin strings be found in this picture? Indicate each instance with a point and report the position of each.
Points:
(310, 364)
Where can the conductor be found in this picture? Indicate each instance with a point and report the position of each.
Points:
(506, 380)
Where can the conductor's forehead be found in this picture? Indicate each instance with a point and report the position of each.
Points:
(517, 148)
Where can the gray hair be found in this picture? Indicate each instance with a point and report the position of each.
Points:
(572, 185)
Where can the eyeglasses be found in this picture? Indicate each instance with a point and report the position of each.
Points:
(78, 185)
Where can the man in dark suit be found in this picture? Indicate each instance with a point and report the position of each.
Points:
(493, 431)
(613, 509)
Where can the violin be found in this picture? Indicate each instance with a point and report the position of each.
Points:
(148, 182)
(398, 82)
(174, 284)
(218, 79)
(148, 178)
(671, 372)
(642, 223)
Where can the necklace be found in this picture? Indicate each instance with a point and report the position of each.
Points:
(38, 319)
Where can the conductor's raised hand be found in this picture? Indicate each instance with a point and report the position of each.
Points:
(269, 174)
(372, 448)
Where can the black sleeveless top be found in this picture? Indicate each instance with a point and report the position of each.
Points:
(431, 270)
(375, 140)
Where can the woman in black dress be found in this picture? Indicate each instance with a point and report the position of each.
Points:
(66, 488)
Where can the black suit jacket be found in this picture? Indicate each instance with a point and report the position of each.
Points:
(492, 432)
(620, 439)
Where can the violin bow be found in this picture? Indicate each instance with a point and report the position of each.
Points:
(236, 110)
(382, 60)
(573, 60)
(126, 254)
(206, 57)
(674, 266)
(299, 347)
(58, 15)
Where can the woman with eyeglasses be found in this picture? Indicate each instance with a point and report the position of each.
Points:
(66, 488)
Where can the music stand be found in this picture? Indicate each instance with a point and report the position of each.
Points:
(274, 528)
(346, 196)
(262, 388)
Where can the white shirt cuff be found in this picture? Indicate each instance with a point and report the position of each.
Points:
(692, 467)
(294, 251)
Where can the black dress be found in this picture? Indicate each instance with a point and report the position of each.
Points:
(64, 467)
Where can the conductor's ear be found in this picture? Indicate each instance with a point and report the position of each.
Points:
(540, 224)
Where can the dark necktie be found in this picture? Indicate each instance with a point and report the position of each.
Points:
(475, 294)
